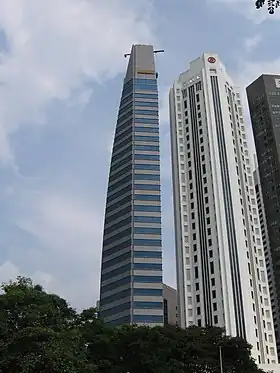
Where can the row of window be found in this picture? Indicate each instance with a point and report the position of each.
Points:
(146, 95)
(138, 87)
(144, 81)
(134, 292)
(147, 254)
(146, 103)
(117, 247)
(143, 208)
(135, 305)
(148, 319)
(129, 98)
(136, 279)
(118, 193)
(140, 219)
(145, 319)
(146, 177)
(147, 129)
(127, 255)
(128, 267)
(144, 167)
(115, 182)
(117, 225)
(147, 242)
(137, 242)
(146, 230)
(147, 219)
(146, 120)
(147, 197)
(146, 187)
(152, 148)
(145, 87)
(147, 157)
(127, 209)
(119, 235)
(146, 138)
(123, 201)
(146, 112)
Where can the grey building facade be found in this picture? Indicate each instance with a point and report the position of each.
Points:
(264, 104)
(170, 305)
(131, 289)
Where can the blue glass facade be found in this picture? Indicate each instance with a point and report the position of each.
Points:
(131, 271)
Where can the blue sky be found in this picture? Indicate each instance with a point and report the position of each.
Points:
(61, 71)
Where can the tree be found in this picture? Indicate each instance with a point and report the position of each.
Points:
(271, 5)
(38, 332)
(41, 333)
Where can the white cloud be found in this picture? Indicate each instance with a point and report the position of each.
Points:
(252, 42)
(9, 271)
(248, 70)
(68, 232)
(54, 46)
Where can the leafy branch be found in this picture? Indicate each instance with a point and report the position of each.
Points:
(271, 5)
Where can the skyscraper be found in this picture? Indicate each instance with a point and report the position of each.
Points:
(264, 104)
(131, 271)
(221, 272)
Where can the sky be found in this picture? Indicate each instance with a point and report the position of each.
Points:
(61, 71)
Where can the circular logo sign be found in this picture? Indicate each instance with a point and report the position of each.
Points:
(212, 59)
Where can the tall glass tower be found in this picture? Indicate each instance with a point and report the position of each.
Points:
(131, 289)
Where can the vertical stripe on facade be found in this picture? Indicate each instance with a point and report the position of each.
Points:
(200, 211)
(239, 311)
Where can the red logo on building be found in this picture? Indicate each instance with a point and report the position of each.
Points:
(212, 59)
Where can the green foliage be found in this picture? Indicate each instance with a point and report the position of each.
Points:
(38, 332)
(41, 333)
(271, 5)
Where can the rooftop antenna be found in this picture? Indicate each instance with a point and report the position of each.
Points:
(156, 51)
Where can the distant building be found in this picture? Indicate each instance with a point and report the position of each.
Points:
(97, 308)
(169, 305)
(264, 104)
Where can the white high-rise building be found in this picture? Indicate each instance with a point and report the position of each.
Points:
(221, 271)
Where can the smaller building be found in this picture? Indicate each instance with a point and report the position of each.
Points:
(97, 308)
(169, 305)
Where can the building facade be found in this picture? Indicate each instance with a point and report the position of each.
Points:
(170, 305)
(221, 274)
(264, 104)
(131, 290)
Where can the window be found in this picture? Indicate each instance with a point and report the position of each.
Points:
(215, 319)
